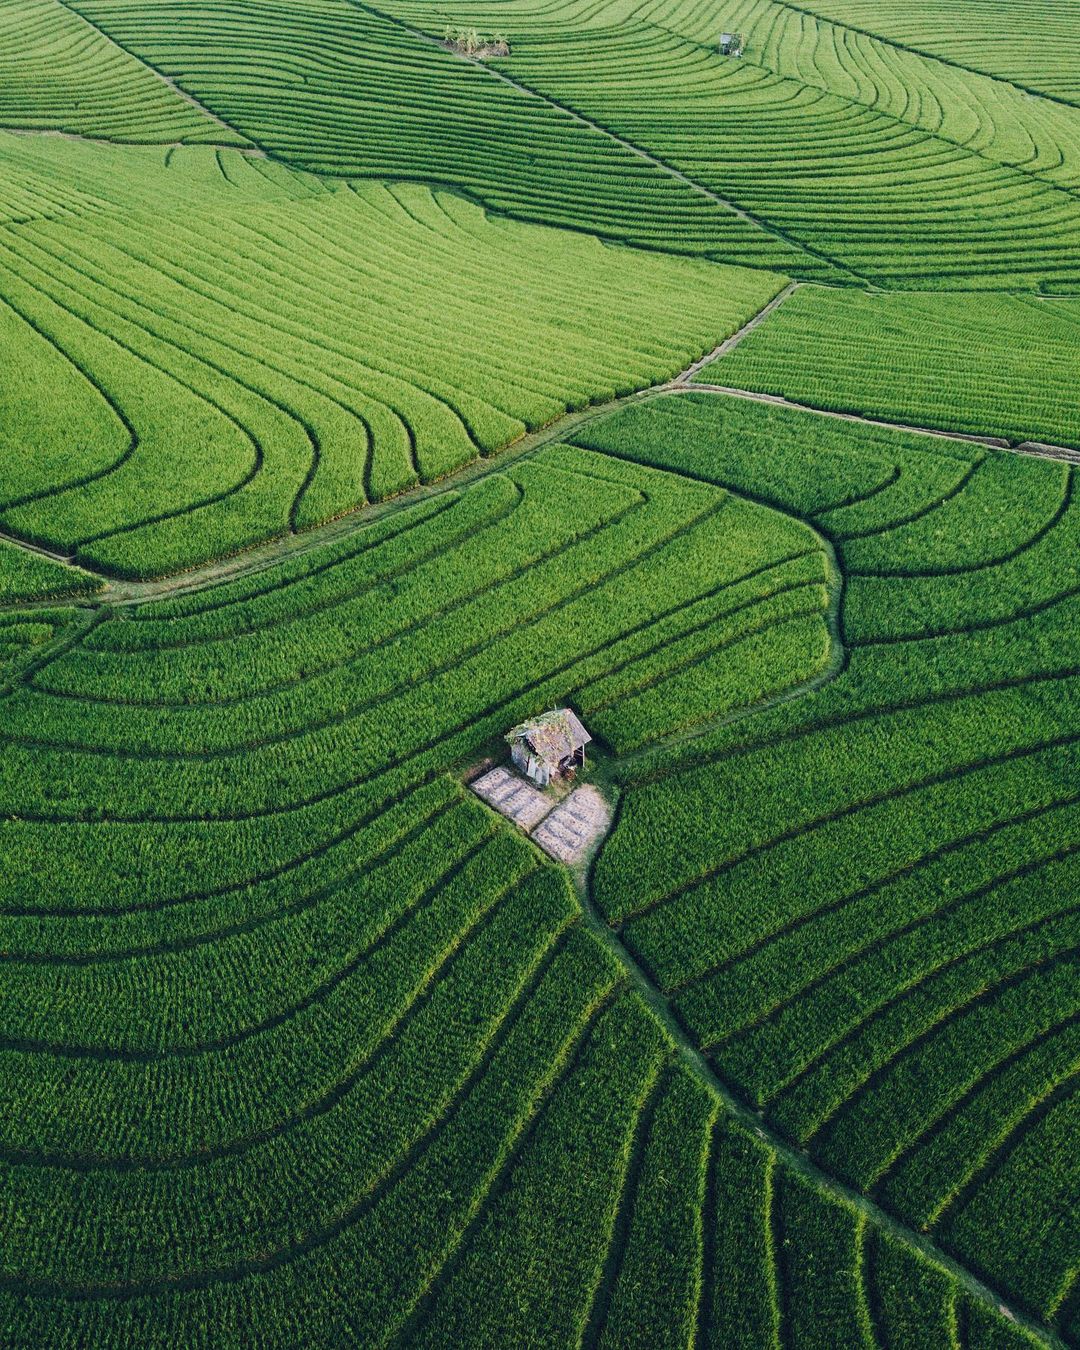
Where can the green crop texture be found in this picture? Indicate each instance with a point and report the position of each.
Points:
(872, 933)
(1005, 366)
(209, 1019)
(376, 375)
(273, 349)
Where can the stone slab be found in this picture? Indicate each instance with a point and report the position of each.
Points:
(513, 797)
(568, 832)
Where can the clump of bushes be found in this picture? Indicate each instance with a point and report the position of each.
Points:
(468, 42)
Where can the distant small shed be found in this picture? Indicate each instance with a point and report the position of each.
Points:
(731, 44)
(549, 745)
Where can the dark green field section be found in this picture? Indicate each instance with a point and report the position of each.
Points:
(319, 1045)
(865, 911)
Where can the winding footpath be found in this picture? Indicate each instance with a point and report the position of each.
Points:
(288, 545)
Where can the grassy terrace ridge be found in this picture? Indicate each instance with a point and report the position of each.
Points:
(361, 399)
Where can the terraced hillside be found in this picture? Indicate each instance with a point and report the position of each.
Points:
(275, 344)
(360, 399)
(873, 939)
(279, 1050)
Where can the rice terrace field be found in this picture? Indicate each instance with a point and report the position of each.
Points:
(694, 390)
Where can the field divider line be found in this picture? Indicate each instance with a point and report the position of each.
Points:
(354, 1209)
(313, 998)
(904, 118)
(251, 151)
(785, 1151)
(67, 637)
(902, 871)
(729, 344)
(835, 1113)
(1037, 449)
(748, 217)
(927, 56)
(1013, 1135)
(261, 557)
(167, 80)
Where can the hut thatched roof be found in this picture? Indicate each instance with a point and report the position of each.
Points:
(552, 737)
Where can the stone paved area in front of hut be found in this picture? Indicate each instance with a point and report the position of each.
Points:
(511, 795)
(569, 830)
(565, 831)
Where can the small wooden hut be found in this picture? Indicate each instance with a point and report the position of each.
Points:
(550, 745)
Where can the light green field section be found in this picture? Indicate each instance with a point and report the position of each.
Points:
(1035, 43)
(997, 365)
(26, 576)
(342, 90)
(301, 1045)
(988, 116)
(284, 351)
(850, 179)
(58, 73)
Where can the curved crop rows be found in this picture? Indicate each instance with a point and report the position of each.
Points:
(865, 910)
(338, 1075)
(1036, 45)
(58, 73)
(344, 91)
(275, 342)
(301, 1044)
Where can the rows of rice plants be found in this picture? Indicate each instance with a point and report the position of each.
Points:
(26, 577)
(865, 908)
(58, 73)
(1035, 44)
(989, 116)
(996, 365)
(364, 1075)
(277, 345)
(842, 156)
(342, 90)
(883, 198)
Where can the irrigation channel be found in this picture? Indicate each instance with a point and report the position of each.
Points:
(113, 593)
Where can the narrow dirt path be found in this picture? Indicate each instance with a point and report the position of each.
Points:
(729, 344)
(1039, 449)
(288, 545)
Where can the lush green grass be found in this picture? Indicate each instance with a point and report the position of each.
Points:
(864, 909)
(838, 180)
(343, 90)
(284, 999)
(301, 1045)
(187, 386)
(997, 366)
(57, 73)
(1037, 44)
(26, 576)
